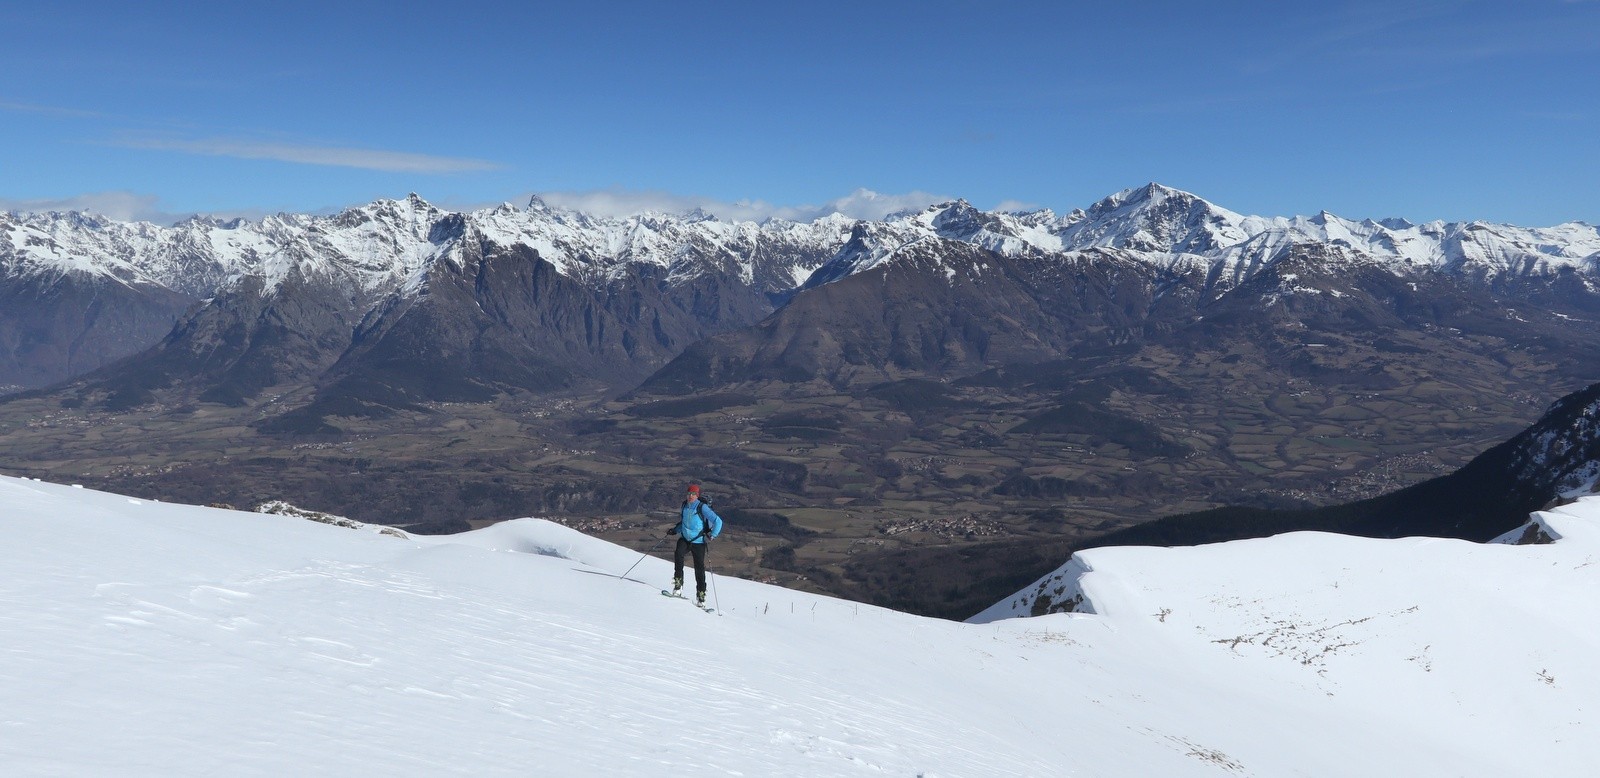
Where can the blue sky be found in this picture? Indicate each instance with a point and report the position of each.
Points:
(1422, 109)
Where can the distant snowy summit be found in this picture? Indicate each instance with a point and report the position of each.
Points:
(1169, 227)
(385, 244)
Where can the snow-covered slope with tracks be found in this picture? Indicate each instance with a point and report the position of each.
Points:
(151, 639)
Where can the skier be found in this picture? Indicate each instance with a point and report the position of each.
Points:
(697, 524)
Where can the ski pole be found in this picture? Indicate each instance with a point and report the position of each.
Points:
(646, 554)
(716, 602)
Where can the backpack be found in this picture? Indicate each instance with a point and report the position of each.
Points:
(700, 510)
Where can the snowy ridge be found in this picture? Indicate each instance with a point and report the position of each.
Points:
(365, 249)
(194, 641)
(1177, 231)
(1161, 220)
(587, 247)
(386, 244)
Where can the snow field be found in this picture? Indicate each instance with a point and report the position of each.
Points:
(141, 638)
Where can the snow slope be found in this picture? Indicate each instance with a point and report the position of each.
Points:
(143, 638)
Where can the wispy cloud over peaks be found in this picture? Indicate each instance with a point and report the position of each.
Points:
(123, 206)
(118, 206)
(616, 202)
(305, 154)
(607, 203)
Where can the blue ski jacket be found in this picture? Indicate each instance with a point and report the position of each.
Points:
(695, 519)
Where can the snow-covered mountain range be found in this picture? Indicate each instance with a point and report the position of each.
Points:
(1170, 228)
(358, 262)
(386, 242)
(659, 279)
(145, 638)
(383, 245)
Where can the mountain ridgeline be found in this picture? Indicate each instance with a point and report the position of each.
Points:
(398, 301)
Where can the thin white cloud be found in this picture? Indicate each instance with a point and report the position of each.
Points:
(604, 203)
(117, 205)
(617, 202)
(124, 206)
(1017, 206)
(304, 154)
(867, 204)
(49, 110)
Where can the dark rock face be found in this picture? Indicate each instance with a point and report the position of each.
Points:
(504, 317)
(945, 309)
(939, 309)
(53, 328)
(238, 344)
(487, 318)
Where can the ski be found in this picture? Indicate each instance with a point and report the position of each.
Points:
(706, 608)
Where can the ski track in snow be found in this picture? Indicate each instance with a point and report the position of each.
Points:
(151, 639)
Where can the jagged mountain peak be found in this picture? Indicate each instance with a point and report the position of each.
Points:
(411, 206)
(958, 216)
(1151, 193)
(1035, 216)
(1156, 218)
(206, 221)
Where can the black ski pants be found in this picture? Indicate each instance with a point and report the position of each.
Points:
(699, 552)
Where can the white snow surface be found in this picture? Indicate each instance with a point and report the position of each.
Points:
(144, 638)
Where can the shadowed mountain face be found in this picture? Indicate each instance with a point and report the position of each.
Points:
(56, 327)
(281, 290)
(497, 318)
(229, 351)
(939, 309)
(945, 309)
(487, 319)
